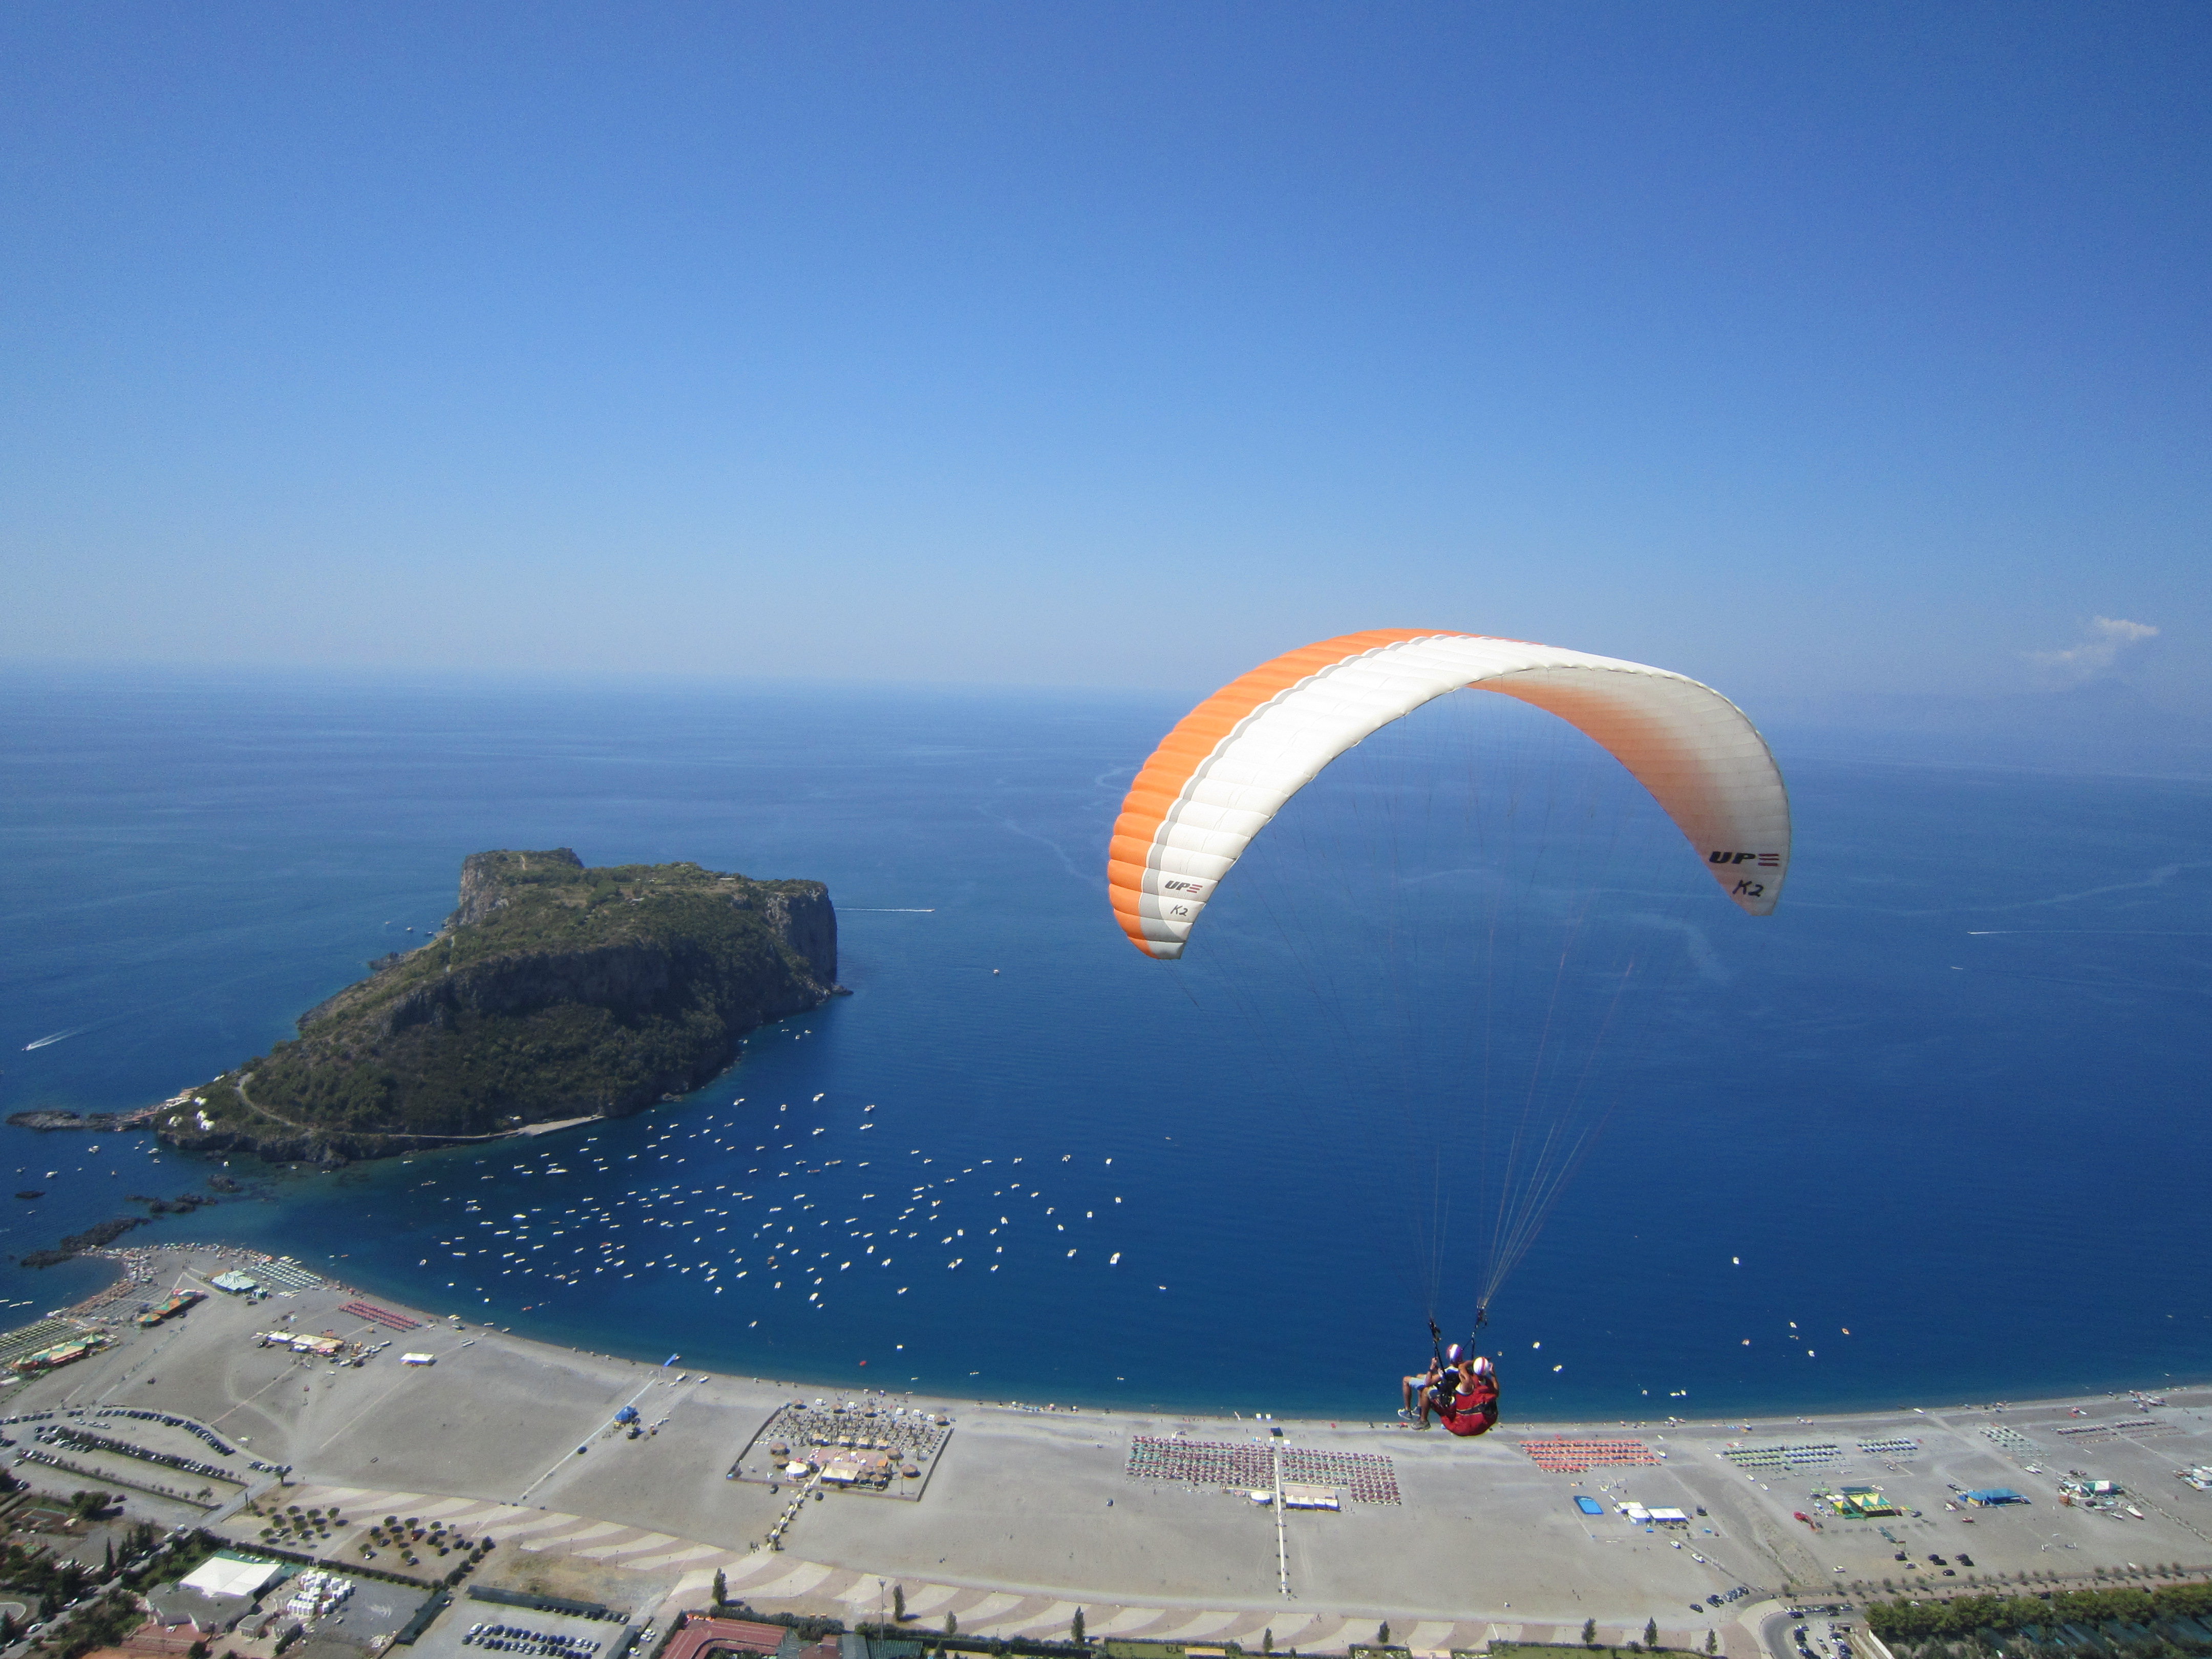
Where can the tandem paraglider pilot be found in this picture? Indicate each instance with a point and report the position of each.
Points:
(1465, 1398)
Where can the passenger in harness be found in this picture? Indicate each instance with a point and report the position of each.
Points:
(1425, 1388)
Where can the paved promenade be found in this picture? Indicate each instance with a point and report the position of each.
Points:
(776, 1582)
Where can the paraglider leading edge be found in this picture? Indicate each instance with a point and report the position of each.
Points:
(1227, 767)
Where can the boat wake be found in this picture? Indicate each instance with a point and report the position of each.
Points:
(57, 1037)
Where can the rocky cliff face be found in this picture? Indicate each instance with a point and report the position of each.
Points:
(553, 991)
(487, 879)
(802, 918)
(798, 911)
(631, 980)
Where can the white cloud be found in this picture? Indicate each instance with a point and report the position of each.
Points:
(2096, 656)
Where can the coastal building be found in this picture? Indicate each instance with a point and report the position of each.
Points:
(1298, 1497)
(235, 1283)
(860, 1468)
(62, 1353)
(700, 1636)
(216, 1594)
(227, 1574)
(1861, 1503)
(175, 1607)
(176, 1304)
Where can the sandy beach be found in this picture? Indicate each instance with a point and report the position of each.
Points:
(1024, 1514)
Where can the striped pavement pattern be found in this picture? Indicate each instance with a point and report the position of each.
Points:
(764, 1578)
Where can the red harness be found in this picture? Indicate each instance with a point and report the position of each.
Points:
(1471, 1414)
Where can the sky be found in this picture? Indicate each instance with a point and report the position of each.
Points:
(1807, 348)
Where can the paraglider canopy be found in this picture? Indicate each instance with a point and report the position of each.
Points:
(1462, 943)
(1221, 775)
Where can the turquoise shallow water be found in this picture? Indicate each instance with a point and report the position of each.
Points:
(1950, 1099)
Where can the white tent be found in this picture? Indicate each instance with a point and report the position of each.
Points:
(232, 1574)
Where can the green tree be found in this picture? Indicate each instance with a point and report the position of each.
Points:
(1382, 1634)
(721, 1589)
(1650, 1633)
(1268, 1641)
(952, 1624)
(1713, 1642)
(1589, 1633)
(898, 1603)
(1075, 1628)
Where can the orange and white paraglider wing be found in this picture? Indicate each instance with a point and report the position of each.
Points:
(1225, 771)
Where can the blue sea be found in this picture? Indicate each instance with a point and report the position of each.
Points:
(1935, 1132)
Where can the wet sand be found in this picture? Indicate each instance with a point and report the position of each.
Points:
(1030, 1514)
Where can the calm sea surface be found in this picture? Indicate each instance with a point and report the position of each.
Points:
(1951, 1100)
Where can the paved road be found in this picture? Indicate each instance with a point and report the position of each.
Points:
(1774, 1630)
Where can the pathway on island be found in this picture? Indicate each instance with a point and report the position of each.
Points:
(766, 1578)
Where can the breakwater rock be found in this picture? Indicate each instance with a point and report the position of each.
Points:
(102, 1122)
(554, 991)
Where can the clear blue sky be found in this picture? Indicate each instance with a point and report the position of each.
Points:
(1795, 346)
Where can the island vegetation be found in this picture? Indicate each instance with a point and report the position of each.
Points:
(554, 991)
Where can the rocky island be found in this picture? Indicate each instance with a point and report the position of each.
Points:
(553, 992)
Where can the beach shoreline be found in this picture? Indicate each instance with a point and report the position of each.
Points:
(134, 1265)
(1145, 1520)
